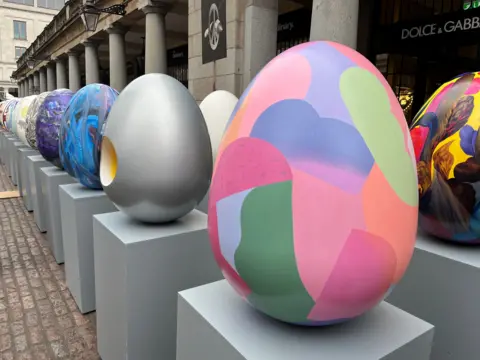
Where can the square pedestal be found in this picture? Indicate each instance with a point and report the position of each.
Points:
(34, 164)
(214, 323)
(51, 178)
(3, 141)
(441, 287)
(78, 204)
(10, 153)
(203, 206)
(6, 151)
(16, 145)
(23, 180)
(139, 268)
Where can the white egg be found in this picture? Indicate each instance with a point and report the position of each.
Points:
(216, 109)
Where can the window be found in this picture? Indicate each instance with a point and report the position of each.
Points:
(19, 50)
(19, 30)
(21, 2)
(51, 4)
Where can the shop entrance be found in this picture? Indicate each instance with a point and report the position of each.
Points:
(419, 54)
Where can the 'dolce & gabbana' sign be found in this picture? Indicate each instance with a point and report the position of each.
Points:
(450, 26)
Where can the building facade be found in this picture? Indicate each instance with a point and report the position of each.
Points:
(21, 21)
(221, 44)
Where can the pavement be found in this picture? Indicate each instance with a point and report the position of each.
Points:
(39, 319)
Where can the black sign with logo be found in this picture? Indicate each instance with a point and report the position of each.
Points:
(461, 26)
(214, 30)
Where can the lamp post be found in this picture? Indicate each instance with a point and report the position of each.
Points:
(90, 13)
(30, 63)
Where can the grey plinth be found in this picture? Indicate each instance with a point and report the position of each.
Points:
(78, 204)
(34, 164)
(214, 323)
(441, 287)
(139, 268)
(6, 150)
(11, 148)
(24, 187)
(203, 206)
(51, 178)
(16, 145)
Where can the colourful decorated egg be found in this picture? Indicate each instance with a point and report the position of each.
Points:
(156, 159)
(447, 148)
(9, 113)
(48, 124)
(20, 123)
(81, 132)
(313, 204)
(3, 106)
(31, 120)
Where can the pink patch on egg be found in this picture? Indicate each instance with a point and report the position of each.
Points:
(360, 278)
(323, 216)
(276, 82)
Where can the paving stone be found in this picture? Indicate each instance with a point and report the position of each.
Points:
(39, 319)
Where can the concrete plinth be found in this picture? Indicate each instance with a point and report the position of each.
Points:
(15, 175)
(24, 187)
(139, 268)
(78, 204)
(34, 164)
(214, 323)
(51, 178)
(440, 286)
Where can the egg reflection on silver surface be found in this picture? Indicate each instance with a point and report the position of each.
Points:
(156, 158)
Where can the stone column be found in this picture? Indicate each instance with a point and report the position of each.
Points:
(30, 85)
(43, 79)
(19, 83)
(51, 81)
(261, 19)
(155, 39)
(36, 83)
(73, 71)
(118, 64)
(335, 20)
(92, 74)
(61, 72)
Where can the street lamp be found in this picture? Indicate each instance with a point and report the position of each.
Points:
(12, 79)
(90, 13)
(30, 63)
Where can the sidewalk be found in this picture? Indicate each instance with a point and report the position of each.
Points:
(39, 319)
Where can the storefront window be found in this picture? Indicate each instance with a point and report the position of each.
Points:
(394, 11)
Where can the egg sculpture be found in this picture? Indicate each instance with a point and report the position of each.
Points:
(156, 161)
(3, 105)
(81, 132)
(9, 113)
(21, 111)
(313, 204)
(216, 109)
(447, 148)
(32, 115)
(47, 125)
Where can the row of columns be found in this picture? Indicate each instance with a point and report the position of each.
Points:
(54, 75)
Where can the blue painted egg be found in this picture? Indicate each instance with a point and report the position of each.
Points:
(81, 132)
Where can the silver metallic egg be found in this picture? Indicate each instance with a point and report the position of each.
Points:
(156, 157)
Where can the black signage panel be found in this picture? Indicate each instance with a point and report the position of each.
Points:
(214, 30)
(294, 25)
(177, 56)
(461, 27)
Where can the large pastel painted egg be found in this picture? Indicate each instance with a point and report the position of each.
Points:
(9, 113)
(3, 105)
(32, 114)
(81, 132)
(48, 124)
(216, 109)
(156, 158)
(447, 147)
(21, 112)
(313, 203)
